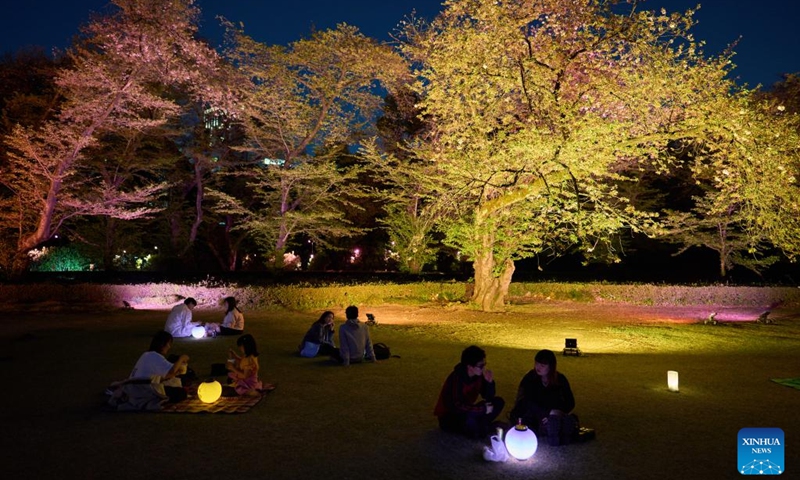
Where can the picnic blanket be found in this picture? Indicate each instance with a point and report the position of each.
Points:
(789, 382)
(238, 404)
(138, 395)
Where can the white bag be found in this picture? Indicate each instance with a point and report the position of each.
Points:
(497, 452)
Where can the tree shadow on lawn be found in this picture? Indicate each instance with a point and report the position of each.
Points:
(375, 421)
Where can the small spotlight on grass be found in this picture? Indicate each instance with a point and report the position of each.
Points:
(571, 347)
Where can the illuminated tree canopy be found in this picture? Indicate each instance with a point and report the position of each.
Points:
(108, 87)
(302, 101)
(541, 109)
(510, 130)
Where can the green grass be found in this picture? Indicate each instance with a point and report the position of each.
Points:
(375, 421)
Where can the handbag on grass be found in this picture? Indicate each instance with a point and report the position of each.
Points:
(309, 350)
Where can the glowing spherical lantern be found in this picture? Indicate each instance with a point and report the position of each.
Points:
(521, 442)
(209, 392)
(199, 332)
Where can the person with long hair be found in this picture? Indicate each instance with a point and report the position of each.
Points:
(545, 401)
(233, 323)
(243, 369)
(319, 338)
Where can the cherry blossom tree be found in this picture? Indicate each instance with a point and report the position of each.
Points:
(542, 109)
(746, 166)
(116, 80)
(305, 99)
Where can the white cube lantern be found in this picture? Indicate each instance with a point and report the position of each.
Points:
(199, 332)
(672, 380)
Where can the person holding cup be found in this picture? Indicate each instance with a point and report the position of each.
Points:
(458, 408)
(154, 363)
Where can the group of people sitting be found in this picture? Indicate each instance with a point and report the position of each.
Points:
(158, 376)
(157, 366)
(179, 321)
(468, 403)
(355, 344)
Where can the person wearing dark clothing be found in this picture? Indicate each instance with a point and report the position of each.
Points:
(458, 408)
(321, 334)
(545, 401)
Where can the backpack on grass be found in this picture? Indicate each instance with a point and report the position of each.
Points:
(382, 351)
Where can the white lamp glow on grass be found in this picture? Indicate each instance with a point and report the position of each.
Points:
(209, 392)
(672, 380)
(521, 442)
(199, 332)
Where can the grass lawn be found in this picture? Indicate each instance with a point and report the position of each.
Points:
(375, 421)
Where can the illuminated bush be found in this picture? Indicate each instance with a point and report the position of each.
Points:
(310, 297)
(66, 258)
(132, 262)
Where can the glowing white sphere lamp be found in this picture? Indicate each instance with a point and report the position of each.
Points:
(209, 392)
(521, 442)
(672, 380)
(199, 332)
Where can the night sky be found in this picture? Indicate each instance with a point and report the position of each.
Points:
(769, 46)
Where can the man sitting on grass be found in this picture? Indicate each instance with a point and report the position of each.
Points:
(354, 342)
(179, 322)
(457, 408)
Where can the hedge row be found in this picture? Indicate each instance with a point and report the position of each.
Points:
(307, 297)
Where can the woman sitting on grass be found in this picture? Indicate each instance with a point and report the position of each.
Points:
(319, 338)
(243, 370)
(545, 401)
(232, 324)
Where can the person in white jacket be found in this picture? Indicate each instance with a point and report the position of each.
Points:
(179, 321)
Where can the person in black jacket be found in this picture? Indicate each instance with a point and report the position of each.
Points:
(458, 408)
(545, 401)
(321, 333)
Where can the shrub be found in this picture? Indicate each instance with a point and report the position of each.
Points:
(209, 292)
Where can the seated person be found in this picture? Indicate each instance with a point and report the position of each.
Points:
(545, 402)
(154, 362)
(232, 324)
(354, 342)
(243, 369)
(179, 322)
(458, 408)
(320, 336)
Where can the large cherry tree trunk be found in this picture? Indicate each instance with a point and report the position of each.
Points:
(492, 277)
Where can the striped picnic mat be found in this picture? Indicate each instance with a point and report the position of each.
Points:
(238, 404)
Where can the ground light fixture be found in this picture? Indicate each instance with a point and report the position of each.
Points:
(521, 442)
(672, 380)
(199, 332)
(209, 392)
(571, 347)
